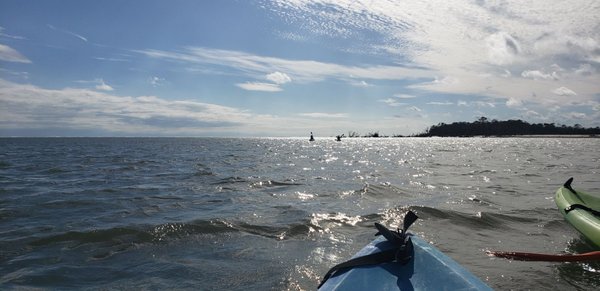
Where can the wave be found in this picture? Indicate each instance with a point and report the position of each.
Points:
(384, 190)
(121, 238)
(68, 204)
(276, 232)
(322, 220)
(204, 172)
(232, 183)
(170, 231)
(166, 197)
(479, 220)
(270, 183)
(482, 219)
(230, 180)
(94, 236)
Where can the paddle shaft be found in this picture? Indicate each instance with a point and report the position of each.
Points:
(519, 256)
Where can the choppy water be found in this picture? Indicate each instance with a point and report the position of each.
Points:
(264, 214)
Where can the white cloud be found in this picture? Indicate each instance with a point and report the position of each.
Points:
(99, 84)
(476, 43)
(103, 86)
(395, 101)
(157, 81)
(578, 43)
(531, 114)
(538, 75)
(484, 104)
(564, 91)
(404, 96)
(362, 84)
(11, 55)
(448, 80)
(29, 107)
(391, 102)
(21, 75)
(112, 59)
(9, 35)
(257, 86)
(514, 102)
(324, 115)
(291, 36)
(298, 70)
(68, 32)
(440, 103)
(279, 78)
(502, 48)
(477, 103)
(576, 115)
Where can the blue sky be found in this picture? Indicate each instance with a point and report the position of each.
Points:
(289, 67)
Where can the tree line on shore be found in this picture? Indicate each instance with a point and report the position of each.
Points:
(484, 127)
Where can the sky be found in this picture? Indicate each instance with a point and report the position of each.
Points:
(290, 67)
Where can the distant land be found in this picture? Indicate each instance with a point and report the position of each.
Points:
(485, 127)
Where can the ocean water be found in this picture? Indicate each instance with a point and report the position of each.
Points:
(277, 213)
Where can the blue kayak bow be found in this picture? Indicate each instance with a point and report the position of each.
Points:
(401, 253)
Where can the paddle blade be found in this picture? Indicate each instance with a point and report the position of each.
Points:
(568, 183)
(409, 219)
(568, 186)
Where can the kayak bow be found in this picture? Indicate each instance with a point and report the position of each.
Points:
(400, 260)
(581, 210)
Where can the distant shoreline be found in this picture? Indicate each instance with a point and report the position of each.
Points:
(508, 128)
(553, 136)
(489, 136)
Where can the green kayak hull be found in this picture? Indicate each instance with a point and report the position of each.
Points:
(583, 220)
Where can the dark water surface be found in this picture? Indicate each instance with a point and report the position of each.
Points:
(275, 214)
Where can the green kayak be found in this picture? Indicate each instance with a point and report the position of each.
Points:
(581, 210)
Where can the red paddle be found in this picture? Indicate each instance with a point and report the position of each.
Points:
(519, 256)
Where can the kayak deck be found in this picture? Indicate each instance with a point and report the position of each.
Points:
(429, 269)
(583, 220)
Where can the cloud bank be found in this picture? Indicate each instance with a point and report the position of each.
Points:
(508, 50)
(27, 110)
(31, 107)
(302, 71)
